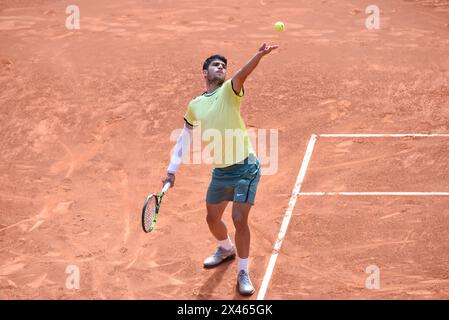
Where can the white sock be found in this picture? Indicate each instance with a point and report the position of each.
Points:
(226, 244)
(243, 264)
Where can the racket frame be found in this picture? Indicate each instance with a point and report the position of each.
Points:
(158, 199)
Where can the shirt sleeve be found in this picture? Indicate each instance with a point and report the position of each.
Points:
(230, 95)
(189, 116)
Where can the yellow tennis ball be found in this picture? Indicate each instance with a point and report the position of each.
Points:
(279, 26)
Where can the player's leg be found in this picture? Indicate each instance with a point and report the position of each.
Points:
(244, 198)
(225, 250)
(240, 213)
(214, 220)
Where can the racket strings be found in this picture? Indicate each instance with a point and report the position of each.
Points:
(150, 212)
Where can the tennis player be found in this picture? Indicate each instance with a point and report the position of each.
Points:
(236, 171)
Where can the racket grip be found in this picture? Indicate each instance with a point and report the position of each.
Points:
(166, 187)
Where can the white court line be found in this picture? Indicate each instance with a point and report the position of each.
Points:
(373, 194)
(287, 216)
(378, 135)
(296, 192)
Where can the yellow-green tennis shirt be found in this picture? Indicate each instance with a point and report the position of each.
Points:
(222, 127)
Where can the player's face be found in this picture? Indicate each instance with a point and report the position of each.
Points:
(216, 71)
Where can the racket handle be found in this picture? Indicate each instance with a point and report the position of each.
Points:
(166, 187)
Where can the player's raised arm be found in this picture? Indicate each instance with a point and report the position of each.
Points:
(239, 78)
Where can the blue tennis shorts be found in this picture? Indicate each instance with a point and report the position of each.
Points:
(237, 183)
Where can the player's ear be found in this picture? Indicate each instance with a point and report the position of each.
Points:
(204, 72)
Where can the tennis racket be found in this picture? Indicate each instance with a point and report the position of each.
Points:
(151, 208)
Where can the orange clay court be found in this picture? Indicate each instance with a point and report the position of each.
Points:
(86, 117)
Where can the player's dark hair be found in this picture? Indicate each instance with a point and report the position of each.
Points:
(209, 60)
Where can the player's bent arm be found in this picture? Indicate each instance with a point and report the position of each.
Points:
(180, 149)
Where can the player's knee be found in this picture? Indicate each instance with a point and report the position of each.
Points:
(212, 219)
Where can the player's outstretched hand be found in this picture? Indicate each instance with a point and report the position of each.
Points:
(169, 178)
(266, 49)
